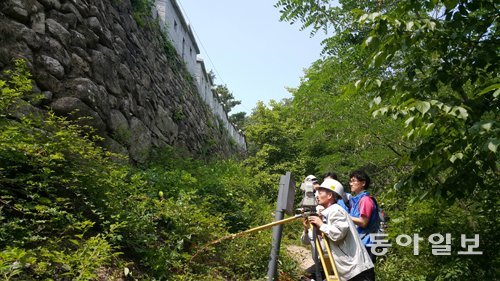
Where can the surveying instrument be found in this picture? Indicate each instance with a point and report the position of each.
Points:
(285, 204)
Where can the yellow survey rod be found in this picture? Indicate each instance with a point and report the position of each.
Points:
(258, 228)
(245, 232)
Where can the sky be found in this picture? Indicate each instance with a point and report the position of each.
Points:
(249, 49)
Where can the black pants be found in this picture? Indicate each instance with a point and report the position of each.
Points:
(372, 256)
(311, 272)
(367, 275)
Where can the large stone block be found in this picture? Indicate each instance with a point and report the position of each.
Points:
(46, 81)
(38, 22)
(141, 140)
(68, 20)
(58, 31)
(165, 123)
(104, 68)
(79, 67)
(78, 110)
(83, 89)
(70, 8)
(16, 9)
(117, 121)
(51, 4)
(90, 38)
(54, 49)
(52, 65)
(87, 91)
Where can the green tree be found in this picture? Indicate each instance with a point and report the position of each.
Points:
(239, 119)
(228, 103)
(434, 66)
(226, 97)
(273, 137)
(431, 64)
(339, 131)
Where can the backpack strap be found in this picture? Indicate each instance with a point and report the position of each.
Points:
(347, 203)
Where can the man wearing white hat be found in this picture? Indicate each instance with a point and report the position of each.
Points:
(351, 258)
(307, 236)
(311, 178)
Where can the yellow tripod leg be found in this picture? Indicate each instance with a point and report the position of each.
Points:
(329, 277)
(330, 266)
(319, 250)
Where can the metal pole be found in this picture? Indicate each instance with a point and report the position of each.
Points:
(277, 230)
(315, 253)
(286, 195)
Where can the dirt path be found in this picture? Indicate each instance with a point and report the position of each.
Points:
(301, 254)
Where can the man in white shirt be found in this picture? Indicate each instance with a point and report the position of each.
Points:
(350, 256)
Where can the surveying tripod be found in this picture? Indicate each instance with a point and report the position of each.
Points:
(308, 208)
(327, 262)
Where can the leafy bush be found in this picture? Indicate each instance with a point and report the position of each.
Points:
(68, 211)
(142, 10)
(426, 216)
(49, 224)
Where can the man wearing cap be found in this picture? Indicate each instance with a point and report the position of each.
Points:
(311, 178)
(344, 203)
(307, 236)
(350, 256)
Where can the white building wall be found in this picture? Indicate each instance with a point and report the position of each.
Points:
(179, 32)
(181, 35)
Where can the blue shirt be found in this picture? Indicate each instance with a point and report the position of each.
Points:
(354, 212)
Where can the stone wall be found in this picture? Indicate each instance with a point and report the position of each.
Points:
(91, 57)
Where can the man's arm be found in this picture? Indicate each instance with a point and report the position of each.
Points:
(365, 209)
(362, 221)
(337, 226)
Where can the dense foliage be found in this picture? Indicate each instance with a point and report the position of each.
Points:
(428, 72)
(70, 210)
(431, 64)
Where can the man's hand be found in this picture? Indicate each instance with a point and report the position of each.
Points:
(305, 222)
(316, 221)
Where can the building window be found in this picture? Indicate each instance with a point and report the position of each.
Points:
(183, 46)
(175, 25)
